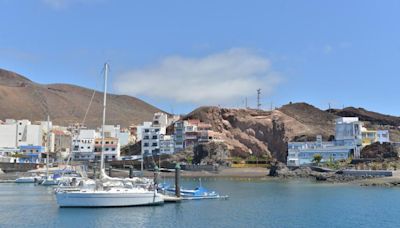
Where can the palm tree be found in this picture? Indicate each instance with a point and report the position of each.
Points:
(317, 158)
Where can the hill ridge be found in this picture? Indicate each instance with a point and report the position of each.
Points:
(21, 98)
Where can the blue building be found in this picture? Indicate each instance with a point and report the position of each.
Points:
(32, 154)
(347, 143)
(302, 153)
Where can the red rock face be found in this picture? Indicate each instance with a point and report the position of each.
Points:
(247, 131)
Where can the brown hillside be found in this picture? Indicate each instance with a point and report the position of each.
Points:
(365, 115)
(21, 98)
(265, 132)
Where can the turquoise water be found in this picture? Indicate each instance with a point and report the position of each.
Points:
(251, 204)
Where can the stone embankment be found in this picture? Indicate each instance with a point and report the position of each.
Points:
(282, 171)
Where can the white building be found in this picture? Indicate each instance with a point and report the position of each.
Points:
(153, 135)
(348, 128)
(19, 133)
(160, 120)
(21, 129)
(167, 144)
(8, 136)
(124, 138)
(150, 140)
(347, 143)
(179, 133)
(112, 131)
(140, 130)
(33, 136)
(383, 136)
(83, 145)
(112, 148)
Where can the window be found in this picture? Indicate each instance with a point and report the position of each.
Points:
(20, 133)
(154, 144)
(81, 147)
(113, 149)
(88, 147)
(155, 137)
(106, 149)
(146, 144)
(107, 142)
(146, 130)
(146, 137)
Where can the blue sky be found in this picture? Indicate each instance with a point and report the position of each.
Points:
(178, 55)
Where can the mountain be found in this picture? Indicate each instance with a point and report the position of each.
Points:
(365, 115)
(21, 98)
(267, 132)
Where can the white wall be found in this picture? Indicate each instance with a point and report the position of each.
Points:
(21, 130)
(8, 135)
(34, 135)
(140, 130)
(383, 136)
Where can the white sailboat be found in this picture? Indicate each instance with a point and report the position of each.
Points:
(107, 191)
(49, 179)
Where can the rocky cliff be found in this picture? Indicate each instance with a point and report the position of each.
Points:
(266, 133)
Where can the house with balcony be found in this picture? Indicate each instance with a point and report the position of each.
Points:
(112, 148)
(150, 141)
(347, 143)
(83, 145)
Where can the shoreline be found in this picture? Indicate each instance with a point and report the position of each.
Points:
(251, 173)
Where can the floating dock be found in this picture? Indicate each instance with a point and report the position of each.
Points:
(171, 199)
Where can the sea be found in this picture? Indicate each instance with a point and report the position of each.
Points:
(251, 203)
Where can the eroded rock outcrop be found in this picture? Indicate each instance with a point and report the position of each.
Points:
(265, 133)
(209, 153)
(380, 151)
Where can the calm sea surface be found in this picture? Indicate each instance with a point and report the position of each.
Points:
(254, 203)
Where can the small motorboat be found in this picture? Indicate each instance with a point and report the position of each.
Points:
(30, 179)
(191, 194)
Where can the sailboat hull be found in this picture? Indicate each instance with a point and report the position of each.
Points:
(107, 199)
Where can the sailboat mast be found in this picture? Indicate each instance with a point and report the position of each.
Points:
(48, 146)
(104, 116)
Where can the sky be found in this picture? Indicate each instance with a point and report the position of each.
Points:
(178, 55)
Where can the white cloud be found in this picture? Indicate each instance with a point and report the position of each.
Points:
(218, 78)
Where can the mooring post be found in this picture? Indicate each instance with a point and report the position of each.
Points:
(130, 171)
(156, 174)
(110, 171)
(177, 180)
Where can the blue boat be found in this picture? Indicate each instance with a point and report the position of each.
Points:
(191, 194)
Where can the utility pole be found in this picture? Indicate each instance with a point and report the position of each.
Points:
(258, 99)
(245, 103)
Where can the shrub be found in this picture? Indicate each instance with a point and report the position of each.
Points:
(317, 158)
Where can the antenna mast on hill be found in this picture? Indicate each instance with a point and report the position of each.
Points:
(258, 99)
